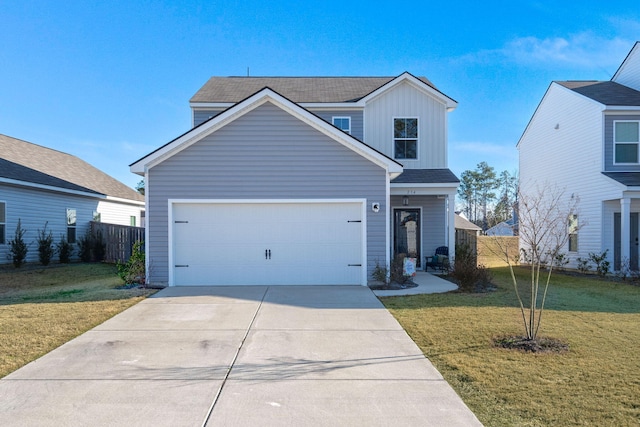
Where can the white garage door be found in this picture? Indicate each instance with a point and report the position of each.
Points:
(267, 243)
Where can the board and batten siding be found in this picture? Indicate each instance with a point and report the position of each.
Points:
(34, 208)
(609, 165)
(264, 154)
(405, 100)
(562, 146)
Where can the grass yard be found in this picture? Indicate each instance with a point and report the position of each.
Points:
(41, 308)
(597, 382)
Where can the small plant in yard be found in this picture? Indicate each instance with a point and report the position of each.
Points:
(583, 265)
(133, 271)
(601, 262)
(18, 247)
(64, 249)
(84, 247)
(469, 276)
(380, 274)
(98, 246)
(45, 245)
(560, 261)
(397, 271)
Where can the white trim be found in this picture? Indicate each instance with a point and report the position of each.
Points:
(256, 100)
(393, 137)
(129, 201)
(348, 118)
(388, 227)
(51, 188)
(419, 84)
(172, 202)
(637, 143)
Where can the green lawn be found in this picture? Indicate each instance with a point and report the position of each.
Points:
(597, 382)
(41, 308)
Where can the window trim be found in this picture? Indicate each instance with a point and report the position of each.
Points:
(637, 143)
(394, 139)
(348, 118)
(3, 221)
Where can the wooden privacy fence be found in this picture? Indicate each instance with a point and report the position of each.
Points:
(490, 249)
(119, 239)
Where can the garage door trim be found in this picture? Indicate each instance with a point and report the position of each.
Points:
(173, 202)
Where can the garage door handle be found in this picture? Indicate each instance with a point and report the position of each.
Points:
(181, 265)
(354, 265)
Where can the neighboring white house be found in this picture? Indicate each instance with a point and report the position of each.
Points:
(300, 180)
(504, 228)
(585, 137)
(41, 186)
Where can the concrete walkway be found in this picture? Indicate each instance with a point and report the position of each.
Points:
(238, 356)
(427, 284)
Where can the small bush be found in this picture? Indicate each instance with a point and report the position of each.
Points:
(469, 276)
(583, 265)
(98, 247)
(560, 261)
(64, 249)
(133, 271)
(84, 247)
(45, 245)
(380, 274)
(600, 260)
(18, 247)
(396, 273)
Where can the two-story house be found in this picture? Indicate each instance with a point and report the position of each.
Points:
(296, 181)
(585, 137)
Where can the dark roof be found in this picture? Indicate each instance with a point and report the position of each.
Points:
(631, 179)
(605, 92)
(426, 176)
(38, 161)
(18, 172)
(297, 89)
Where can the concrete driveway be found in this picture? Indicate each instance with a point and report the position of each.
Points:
(238, 356)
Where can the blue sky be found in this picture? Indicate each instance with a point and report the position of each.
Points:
(110, 81)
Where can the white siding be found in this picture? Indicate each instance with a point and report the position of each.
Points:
(119, 213)
(405, 100)
(629, 72)
(570, 157)
(34, 208)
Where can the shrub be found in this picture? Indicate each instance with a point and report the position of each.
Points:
(98, 247)
(84, 247)
(600, 260)
(396, 273)
(45, 245)
(469, 276)
(64, 249)
(560, 261)
(380, 274)
(583, 265)
(133, 271)
(18, 248)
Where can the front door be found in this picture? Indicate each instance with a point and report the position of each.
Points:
(633, 241)
(406, 236)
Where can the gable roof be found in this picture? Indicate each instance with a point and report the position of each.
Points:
(461, 223)
(604, 92)
(624, 72)
(306, 89)
(36, 164)
(208, 127)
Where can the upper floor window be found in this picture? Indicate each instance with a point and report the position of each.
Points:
(405, 138)
(342, 123)
(3, 222)
(626, 138)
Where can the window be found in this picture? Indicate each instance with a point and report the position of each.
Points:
(132, 220)
(405, 138)
(573, 233)
(342, 123)
(71, 225)
(626, 137)
(3, 222)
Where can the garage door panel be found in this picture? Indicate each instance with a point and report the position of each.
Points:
(263, 243)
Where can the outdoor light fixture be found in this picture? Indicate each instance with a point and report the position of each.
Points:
(405, 201)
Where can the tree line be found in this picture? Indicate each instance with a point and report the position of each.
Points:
(488, 198)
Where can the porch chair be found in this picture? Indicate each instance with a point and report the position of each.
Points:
(439, 261)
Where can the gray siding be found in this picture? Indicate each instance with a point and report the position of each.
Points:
(264, 154)
(34, 208)
(201, 116)
(608, 144)
(357, 121)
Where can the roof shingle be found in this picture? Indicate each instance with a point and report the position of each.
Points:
(605, 92)
(426, 176)
(43, 165)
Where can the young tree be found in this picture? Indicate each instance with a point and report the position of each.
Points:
(545, 214)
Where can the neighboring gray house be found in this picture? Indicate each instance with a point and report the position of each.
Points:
(39, 185)
(300, 181)
(585, 137)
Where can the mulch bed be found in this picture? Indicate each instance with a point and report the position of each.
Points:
(539, 345)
